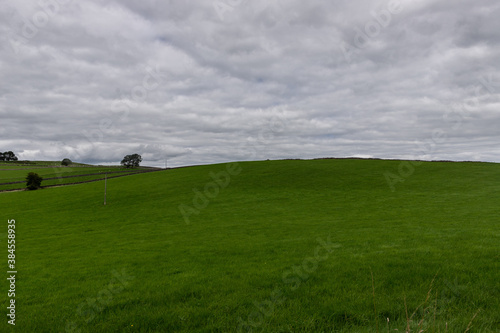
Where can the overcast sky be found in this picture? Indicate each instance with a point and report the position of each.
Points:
(196, 82)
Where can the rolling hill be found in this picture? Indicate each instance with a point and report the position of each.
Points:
(274, 246)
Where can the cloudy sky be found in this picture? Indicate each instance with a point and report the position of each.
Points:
(188, 82)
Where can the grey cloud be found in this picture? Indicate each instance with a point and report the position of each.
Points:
(179, 81)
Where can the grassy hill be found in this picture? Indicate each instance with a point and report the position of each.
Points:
(272, 246)
(13, 174)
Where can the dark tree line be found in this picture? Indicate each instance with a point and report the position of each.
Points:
(8, 156)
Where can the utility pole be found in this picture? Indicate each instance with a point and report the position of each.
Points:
(105, 187)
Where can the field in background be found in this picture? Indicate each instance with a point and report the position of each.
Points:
(13, 174)
(278, 246)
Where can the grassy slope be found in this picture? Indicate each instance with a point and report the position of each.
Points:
(63, 174)
(4, 164)
(19, 173)
(441, 223)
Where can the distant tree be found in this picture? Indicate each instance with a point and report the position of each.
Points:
(33, 181)
(66, 162)
(8, 156)
(131, 161)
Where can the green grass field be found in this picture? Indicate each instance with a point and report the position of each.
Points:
(13, 175)
(271, 246)
(9, 164)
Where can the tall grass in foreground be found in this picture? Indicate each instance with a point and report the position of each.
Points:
(423, 318)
